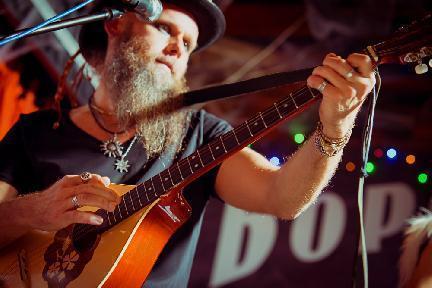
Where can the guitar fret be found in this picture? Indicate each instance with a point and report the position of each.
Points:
(187, 158)
(178, 167)
(211, 151)
(292, 98)
(260, 114)
(145, 193)
(130, 196)
(169, 173)
(109, 220)
(124, 201)
(235, 136)
(223, 144)
(139, 198)
(199, 156)
(118, 208)
(247, 125)
(154, 189)
(311, 92)
(277, 110)
(160, 177)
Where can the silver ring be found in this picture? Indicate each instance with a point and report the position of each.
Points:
(75, 203)
(85, 177)
(349, 74)
(322, 86)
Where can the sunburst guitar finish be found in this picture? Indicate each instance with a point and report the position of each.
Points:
(122, 256)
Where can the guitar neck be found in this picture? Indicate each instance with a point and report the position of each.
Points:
(208, 156)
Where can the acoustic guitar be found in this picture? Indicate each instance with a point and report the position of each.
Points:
(122, 251)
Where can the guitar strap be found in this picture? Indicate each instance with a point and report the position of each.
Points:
(247, 86)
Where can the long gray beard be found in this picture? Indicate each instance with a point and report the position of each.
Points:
(149, 98)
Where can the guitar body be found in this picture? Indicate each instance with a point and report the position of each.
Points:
(121, 256)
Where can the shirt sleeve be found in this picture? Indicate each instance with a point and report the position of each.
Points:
(14, 163)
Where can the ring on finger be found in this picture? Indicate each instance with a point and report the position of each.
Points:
(349, 74)
(85, 177)
(75, 203)
(322, 86)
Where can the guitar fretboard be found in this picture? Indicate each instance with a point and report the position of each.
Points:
(205, 158)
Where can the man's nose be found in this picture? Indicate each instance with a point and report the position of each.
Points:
(174, 47)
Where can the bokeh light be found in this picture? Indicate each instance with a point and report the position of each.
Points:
(275, 161)
(410, 159)
(299, 138)
(422, 178)
(391, 153)
(378, 153)
(370, 167)
(350, 166)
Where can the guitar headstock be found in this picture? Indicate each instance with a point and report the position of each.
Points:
(412, 44)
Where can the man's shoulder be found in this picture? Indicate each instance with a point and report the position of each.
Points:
(208, 119)
(45, 116)
(211, 124)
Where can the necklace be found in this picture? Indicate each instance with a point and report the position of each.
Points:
(122, 165)
(112, 147)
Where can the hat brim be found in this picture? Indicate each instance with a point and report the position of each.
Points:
(209, 18)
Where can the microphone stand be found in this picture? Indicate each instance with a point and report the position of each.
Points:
(106, 14)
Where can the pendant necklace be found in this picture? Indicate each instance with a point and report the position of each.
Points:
(112, 147)
(121, 165)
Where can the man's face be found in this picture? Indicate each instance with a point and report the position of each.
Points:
(167, 43)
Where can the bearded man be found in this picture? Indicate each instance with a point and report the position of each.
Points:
(133, 128)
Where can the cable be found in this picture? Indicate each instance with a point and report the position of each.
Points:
(8, 39)
(367, 136)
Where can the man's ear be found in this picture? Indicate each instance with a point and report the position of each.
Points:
(114, 27)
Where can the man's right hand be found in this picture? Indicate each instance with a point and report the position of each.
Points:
(53, 208)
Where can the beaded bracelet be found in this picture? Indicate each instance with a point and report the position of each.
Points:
(330, 146)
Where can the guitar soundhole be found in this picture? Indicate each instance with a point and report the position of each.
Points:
(84, 237)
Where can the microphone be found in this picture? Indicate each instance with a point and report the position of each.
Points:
(150, 10)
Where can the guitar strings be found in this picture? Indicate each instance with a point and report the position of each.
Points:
(83, 230)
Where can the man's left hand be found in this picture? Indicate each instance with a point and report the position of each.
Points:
(349, 82)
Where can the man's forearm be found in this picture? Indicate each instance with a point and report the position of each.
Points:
(11, 220)
(307, 172)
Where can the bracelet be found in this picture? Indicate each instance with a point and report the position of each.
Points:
(330, 146)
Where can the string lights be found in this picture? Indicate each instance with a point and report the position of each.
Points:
(391, 155)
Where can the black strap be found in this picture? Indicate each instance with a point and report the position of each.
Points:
(246, 86)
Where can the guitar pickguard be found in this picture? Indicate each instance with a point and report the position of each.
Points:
(63, 262)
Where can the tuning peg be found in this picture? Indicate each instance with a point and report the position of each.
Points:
(421, 68)
(430, 63)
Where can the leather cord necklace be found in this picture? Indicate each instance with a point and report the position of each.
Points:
(112, 147)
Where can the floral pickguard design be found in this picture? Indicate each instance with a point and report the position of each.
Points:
(63, 263)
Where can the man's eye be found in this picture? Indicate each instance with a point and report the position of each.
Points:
(186, 44)
(164, 28)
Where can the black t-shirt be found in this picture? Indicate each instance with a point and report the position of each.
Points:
(34, 156)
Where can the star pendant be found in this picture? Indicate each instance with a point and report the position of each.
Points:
(122, 165)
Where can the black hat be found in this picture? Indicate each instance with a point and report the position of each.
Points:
(210, 20)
